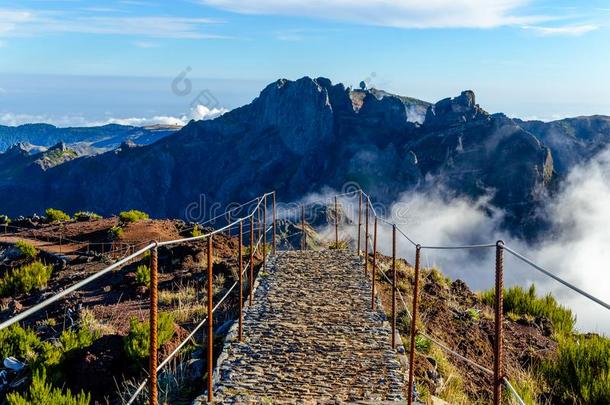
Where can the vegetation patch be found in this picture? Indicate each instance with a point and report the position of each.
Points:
(86, 216)
(132, 216)
(115, 232)
(143, 275)
(26, 249)
(42, 392)
(526, 303)
(339, 245)
(25, 278)
(197, 231)
(54, 215)
(580, 371)
(137, 342)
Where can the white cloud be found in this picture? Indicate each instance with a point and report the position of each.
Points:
(566, 30)
(10, 19)
(32, 22)
(145, 44)
(200, 112)
(401, 14)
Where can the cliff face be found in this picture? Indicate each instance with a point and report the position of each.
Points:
(297, 137)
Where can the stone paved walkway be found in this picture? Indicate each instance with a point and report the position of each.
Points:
(311, 337)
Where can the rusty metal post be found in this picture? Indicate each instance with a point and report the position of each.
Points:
(258, 223)
(336, 224)
(264, 231)
(374, 265)
(394, 286)
(241, 281)
(252, 244)
(413, 331)
(366, 240)
(359, 220)
(153, 356)
(303, 234)
(499, 327)
(210, 319)
(274, 218)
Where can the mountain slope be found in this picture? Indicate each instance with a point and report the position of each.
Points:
(301, 136)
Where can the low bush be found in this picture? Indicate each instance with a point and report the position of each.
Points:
(143, 275)
(196, 231)
(86, 216)
(26, 346)
(25, 278)
(339, 245)
(26, 249)
(132, 216)
(137, 341)
(74, 339)
(54, 215)
(42, 392)
(521, 302)
(423, 344)
(115, 232)
(580, 371)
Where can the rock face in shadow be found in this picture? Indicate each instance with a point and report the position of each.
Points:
(302, 136)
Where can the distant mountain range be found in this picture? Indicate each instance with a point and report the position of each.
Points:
(85, 141)
(301, 136)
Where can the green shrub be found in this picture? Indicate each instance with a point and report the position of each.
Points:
(42, 392)
(25, 278)
(26, 346)
(26, 249)
(521, 302)
(137, 342)
(86, 216)
(196, 231)
(71, 339)
(422, 344)
(132, 216)
(473, 314)
(580, 372)
(340, 245)
(115, 232)
(4, 219)
(54, 215)
(143, 275)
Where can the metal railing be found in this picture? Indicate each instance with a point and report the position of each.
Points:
(254, 218)
(498, 373)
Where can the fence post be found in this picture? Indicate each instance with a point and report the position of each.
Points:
(251, 277)
(274, 218)
(366, 240)
(359, 220)
(336, 224)
(394, 286)
(499, 327)
(264, 231)
(153, 356)
(304, 235)
(413, 330)
(241, 282)
(210, 319)
(374, 264)
(258, 223)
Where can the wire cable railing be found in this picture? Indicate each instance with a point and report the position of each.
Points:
(253, 216)
(499, 377)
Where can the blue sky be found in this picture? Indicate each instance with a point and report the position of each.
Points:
(85, 62)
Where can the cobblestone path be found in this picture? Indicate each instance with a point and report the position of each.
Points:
(311, 337)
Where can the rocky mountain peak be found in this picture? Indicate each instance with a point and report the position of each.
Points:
(454, 111)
